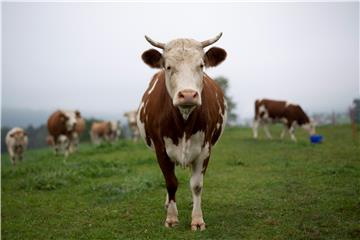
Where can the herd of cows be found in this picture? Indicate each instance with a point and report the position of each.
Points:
(181, 117)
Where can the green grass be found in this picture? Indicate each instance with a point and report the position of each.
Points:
(264, 189)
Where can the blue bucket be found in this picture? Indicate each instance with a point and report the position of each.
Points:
(316, 139)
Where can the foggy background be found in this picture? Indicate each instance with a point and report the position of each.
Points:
(87, 56)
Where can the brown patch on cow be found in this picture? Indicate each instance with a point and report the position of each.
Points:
(214, 56)
(153, 58)
(197, 190)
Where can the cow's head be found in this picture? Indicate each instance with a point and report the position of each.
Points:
(69, 118)
(183, 61)
(131, 116)
(20, 138)
(310, 127)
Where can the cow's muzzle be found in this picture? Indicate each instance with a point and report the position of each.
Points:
(187, 98)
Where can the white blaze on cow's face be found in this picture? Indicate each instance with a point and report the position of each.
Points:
(183, 61)
(70, 120)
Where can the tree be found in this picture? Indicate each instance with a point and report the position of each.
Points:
(224, 84)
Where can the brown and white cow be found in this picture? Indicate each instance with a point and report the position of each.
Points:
(182, 115)
(131, 117)
(79, 129)
(61, 126)
(107, 130)
(16, 141)
(290, 114)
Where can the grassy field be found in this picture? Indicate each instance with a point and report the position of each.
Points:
(264, 189)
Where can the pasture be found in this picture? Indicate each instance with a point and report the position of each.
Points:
(253, 189)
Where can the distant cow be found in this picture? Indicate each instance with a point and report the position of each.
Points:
(182, 115)
(16, 141)
(131, 116)
(63, 123)
(107, 131)
(291, 115)
(79, 129)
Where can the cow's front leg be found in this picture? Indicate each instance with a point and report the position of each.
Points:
(196, 185)
(267, 132)
(12, 156)
(168, 170)
(292, 131)
(256, 124)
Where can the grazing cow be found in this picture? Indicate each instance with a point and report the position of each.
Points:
(63, 123)
(182, 115)
(107, 130)
(291, 115)
(16, 141)
(131, 116)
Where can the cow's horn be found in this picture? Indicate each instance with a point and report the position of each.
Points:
(211, 40)
(155, 44)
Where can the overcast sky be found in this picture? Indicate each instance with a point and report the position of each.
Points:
(86, 56)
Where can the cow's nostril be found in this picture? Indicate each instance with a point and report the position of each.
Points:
(195, 95)
(181, 95)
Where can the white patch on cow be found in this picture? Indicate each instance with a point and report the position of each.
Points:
(262, 109)
(153, 86)
(187, 150)
(290, 104)
(256, 124)
(183, 57)
(140, 124)
(292, 130)
(141, 127)
(71, 121)
(172, 215)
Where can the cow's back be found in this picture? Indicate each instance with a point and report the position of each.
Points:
(274, 109)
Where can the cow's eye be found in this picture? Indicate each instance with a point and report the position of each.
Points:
(168, 68)
(201, 65)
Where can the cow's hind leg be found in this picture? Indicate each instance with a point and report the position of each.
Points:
(168, 170)
(196, 185)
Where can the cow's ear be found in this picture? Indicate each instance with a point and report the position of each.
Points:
(214, 56)
(77, 113)
(153, 58)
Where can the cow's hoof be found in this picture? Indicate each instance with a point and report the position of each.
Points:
(198, 224)
(171, 222)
